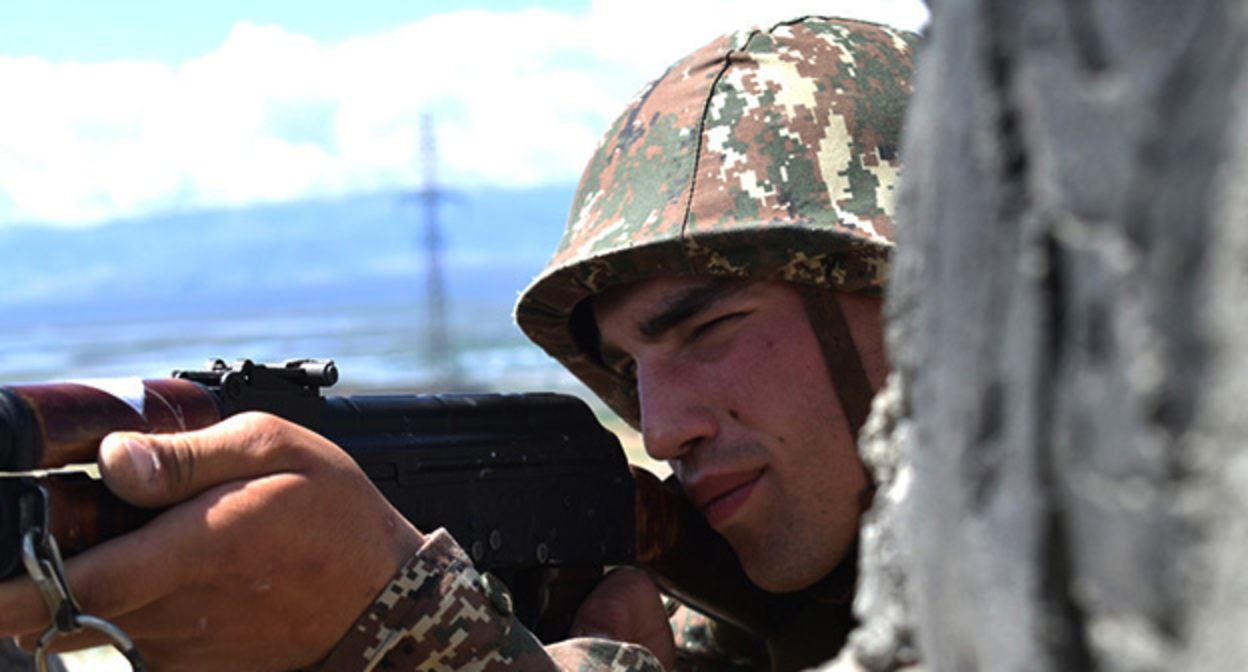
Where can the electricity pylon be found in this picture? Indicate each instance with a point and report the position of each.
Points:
(437, 339)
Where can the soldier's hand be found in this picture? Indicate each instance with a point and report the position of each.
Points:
(275, 543)
(626, 607)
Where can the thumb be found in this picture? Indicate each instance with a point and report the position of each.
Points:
(157, 470)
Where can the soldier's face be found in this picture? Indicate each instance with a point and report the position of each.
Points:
(735, 395)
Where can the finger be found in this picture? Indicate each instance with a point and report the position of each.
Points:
(611, 608)
(115, 577)
(129, 572)
(627, 606)
(168, 620)
(183, 550)
(83, 639)
(22, 609)
(164, 469)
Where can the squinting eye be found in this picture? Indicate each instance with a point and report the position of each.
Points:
(711, 324)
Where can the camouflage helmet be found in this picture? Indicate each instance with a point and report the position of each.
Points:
(767, 154)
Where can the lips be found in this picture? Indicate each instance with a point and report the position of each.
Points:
(720, 496)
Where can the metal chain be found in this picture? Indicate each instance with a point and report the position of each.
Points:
(42, 558)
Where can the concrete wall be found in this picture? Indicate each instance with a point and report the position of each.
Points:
(1065, 479)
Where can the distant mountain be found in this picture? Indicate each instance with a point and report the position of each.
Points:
(362, 248)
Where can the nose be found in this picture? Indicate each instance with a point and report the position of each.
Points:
(676, 414)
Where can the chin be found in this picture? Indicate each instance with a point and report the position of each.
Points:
(780, 584)
(776, 576)
(785, 565)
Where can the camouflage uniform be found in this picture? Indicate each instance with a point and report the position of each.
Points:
(767, 154)
(439, 613)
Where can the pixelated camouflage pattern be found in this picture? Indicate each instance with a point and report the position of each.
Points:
(439, 613)
(768, 154)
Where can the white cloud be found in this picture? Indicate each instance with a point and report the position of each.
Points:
(517, 98)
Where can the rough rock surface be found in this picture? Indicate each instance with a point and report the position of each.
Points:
(1069, 315)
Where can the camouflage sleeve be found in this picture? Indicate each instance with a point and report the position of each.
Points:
(440, 613)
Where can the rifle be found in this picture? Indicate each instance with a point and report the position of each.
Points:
(531, 485)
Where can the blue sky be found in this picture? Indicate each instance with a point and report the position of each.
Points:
(175, 32)
(125, 107)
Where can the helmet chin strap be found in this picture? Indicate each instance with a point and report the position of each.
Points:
(840, 355)
(853, 390)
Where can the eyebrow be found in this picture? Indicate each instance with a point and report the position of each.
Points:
(689, 303)
(675, 310)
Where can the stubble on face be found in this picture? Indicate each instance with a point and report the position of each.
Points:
(798, 526)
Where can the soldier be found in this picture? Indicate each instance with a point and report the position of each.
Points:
(719, 283)
(718, 286)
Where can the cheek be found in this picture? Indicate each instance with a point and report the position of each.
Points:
(788, 391)
(777, 366)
